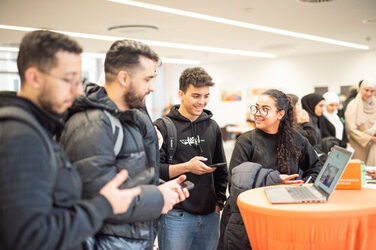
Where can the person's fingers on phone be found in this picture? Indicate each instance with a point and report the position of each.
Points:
(119, 178)
(205, 170)
(200, 158)
(181, 178)
(186, 193)
(181, 195)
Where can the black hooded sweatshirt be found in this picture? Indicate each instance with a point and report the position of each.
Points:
(201, 137)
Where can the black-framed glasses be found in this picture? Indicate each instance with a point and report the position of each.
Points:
(73, 82)
(263, 111)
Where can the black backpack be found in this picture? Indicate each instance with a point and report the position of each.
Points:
(172, 138)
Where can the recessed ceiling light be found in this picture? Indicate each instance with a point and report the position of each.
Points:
(369, 21)
(132, 28)
(151, 42)
(240, 24)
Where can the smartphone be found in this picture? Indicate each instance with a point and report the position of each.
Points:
(218, 165)
(142, 178)
(188, 185)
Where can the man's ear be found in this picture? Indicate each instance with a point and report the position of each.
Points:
(123, 78)
(281, 114)
(32, 77)
(180, 95)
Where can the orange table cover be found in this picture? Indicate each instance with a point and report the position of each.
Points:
(346, 221)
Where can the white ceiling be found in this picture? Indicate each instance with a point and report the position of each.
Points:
(339, 19)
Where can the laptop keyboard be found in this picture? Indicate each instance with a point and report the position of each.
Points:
(301, 193)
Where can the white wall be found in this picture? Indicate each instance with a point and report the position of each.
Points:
(297, 75)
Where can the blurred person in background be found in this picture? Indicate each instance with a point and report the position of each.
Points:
(360, 120)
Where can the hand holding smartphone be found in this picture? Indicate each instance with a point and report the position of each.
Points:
(218, 165)
(188, 185)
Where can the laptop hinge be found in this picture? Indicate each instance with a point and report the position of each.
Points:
(325, 194)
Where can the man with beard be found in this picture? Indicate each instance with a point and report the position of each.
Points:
(40, 191)
(92, 142)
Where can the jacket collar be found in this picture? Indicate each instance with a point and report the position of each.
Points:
(50, 121)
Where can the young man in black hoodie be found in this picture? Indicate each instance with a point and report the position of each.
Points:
(90, 138)
(40, 191)
(194, 223)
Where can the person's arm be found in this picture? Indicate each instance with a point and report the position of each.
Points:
(89, 145)
(220, 174)
(163, 165)
(29, 218)
(243, 151)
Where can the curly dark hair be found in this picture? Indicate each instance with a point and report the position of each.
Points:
(125, 54)
(196, 76)
(286, 148)
(38, 48)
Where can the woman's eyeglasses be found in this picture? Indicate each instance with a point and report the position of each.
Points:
(263, 111)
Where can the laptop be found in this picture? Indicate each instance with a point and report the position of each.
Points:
(323, 186)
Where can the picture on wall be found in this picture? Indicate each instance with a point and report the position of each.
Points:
(229, 96)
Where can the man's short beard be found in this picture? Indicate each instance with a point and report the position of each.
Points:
(45, 101)
(133, 100)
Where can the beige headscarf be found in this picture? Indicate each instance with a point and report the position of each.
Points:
(363, 107)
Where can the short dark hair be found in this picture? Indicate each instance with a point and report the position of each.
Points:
(38, 48)
(125, 54)
(196, 76)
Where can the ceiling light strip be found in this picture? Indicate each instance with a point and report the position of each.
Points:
(10, 49)
(152, 42)
(240, 24)
(103, 56)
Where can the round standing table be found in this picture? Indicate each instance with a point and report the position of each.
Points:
(346, 221)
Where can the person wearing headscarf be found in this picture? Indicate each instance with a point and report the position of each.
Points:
(302, 121)
(360, 121)
(314, 105)
(334, 126)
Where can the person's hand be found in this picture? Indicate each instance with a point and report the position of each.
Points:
(302, 117)
(217, 209)
(173, 193)
(286, 179)
(373, 138)
(120, 199)
(371, 173)
(196, 166)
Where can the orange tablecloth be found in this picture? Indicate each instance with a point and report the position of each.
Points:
(347, 221)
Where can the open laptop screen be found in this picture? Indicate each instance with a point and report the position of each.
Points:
(333, 169)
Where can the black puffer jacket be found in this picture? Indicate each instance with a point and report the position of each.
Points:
(89, 141)
(40, 191)
(245, 176)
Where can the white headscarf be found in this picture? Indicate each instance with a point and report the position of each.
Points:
(331, 97)
(363, 107)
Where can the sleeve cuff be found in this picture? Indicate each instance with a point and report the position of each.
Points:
(102, 205)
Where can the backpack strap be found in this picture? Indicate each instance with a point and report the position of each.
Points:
(15, 113)
(172, 138)
(117, 131)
